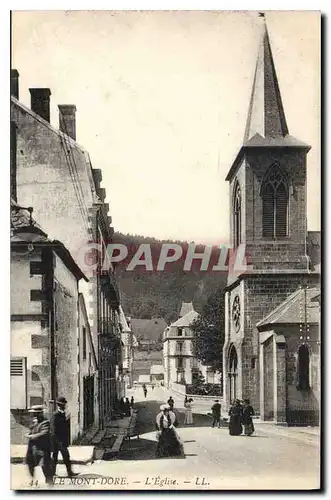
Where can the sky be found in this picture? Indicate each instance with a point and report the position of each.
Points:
(162, 100)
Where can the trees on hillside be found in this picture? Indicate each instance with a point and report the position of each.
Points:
(208, 331)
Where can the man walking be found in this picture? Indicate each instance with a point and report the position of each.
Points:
(216, 410)
(60, 435)
(39, 447)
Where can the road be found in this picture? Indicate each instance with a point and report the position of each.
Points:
(274, 458)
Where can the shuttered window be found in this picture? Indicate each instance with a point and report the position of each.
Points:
(236, 216)
(16, 367)
(275, 205)
(18, 387)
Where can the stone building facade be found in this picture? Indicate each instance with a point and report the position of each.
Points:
(53, 173)
(268, 223)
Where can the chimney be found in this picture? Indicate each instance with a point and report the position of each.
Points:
(67, 119)
(14, 75)
(40, 102)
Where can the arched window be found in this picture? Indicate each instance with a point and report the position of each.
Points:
(232, 372)
(275, 204)
(303, 368)
(236, 216)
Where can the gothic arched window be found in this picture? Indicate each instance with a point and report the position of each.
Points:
(303, 368)
(275, 204)
(236, 216)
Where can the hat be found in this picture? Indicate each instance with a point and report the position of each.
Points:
(36, 409)
(61, 401)
(216, 400)
(164, 407)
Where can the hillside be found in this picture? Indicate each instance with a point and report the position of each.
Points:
(159, 294)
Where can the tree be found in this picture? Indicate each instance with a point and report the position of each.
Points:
(208, 331)
(198, 380)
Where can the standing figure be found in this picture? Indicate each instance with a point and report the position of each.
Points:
(153, 387)
(60, 435)
(122, 406)
(145, 390)
(235, 424)
(169, 444)
(132, 402)
(188, 412)
(248, 413)
(127, 407)
(216, 411)
(39, 447)
(171, 403)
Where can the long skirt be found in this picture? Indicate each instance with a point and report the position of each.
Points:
(168, 444)
(235, 427)
(188, 417)
(249, 428)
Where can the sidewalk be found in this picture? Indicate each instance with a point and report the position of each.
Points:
(78, 454)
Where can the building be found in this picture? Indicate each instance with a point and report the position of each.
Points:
(129, 343)
(157, 374)
(265, 349)
(44, 324)
(54, 174)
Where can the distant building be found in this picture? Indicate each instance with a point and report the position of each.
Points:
(144, 379)
(129, 344)
(157, 374)
(148, 332)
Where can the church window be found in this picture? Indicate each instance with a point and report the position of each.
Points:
(236, 216)
(303, 368)
(275, 204)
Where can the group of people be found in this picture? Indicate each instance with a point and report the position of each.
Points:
(241, 414)
(125, 406)
(46, 439)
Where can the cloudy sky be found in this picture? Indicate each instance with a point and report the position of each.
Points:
(162, 99)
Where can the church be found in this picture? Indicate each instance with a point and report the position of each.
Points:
(271, 353)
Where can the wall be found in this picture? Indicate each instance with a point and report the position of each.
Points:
(268, 380)
(66, 340)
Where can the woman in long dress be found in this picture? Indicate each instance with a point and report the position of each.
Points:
(169, 444)
(188, 412)
(236, 414)
(248, 413)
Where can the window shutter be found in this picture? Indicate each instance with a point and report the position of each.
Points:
(268, 212)
(18, 396)
(281, 212)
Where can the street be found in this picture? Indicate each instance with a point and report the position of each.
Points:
(273, 458)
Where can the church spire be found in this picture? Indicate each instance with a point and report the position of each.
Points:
(266, 115)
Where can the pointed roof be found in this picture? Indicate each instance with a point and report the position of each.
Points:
(186, 320)
(266, 124)
(186, 307)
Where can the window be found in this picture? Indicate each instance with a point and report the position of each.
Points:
(180, 365)
(84, 342)
(179, 347)
(275, 204)
(18, 396)
(303, 368)
(180, 332)
(236, 216)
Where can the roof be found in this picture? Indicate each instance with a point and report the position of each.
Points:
(186, 307)
(266, 124)
(22, 218)
(186, 320)
(156, 369)
(292, 310)
(148, 329)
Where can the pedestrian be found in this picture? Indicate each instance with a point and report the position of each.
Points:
(236, 413)
(248, 413)
(145, 390)
(153, 387)
(132, 402)
(169, 444)
(188, 412)
(171, 403)
(127, 407)
(122, 406)
(216, 411)
(39, 446)
(60, 436)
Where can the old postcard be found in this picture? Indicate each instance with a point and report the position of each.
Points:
(165, 250)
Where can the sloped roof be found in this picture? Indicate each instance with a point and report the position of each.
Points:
(156, 369)
(21, 218)
(148, 329)
(186, 307)
(186, 320)
(123, 321)
(292, 310)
